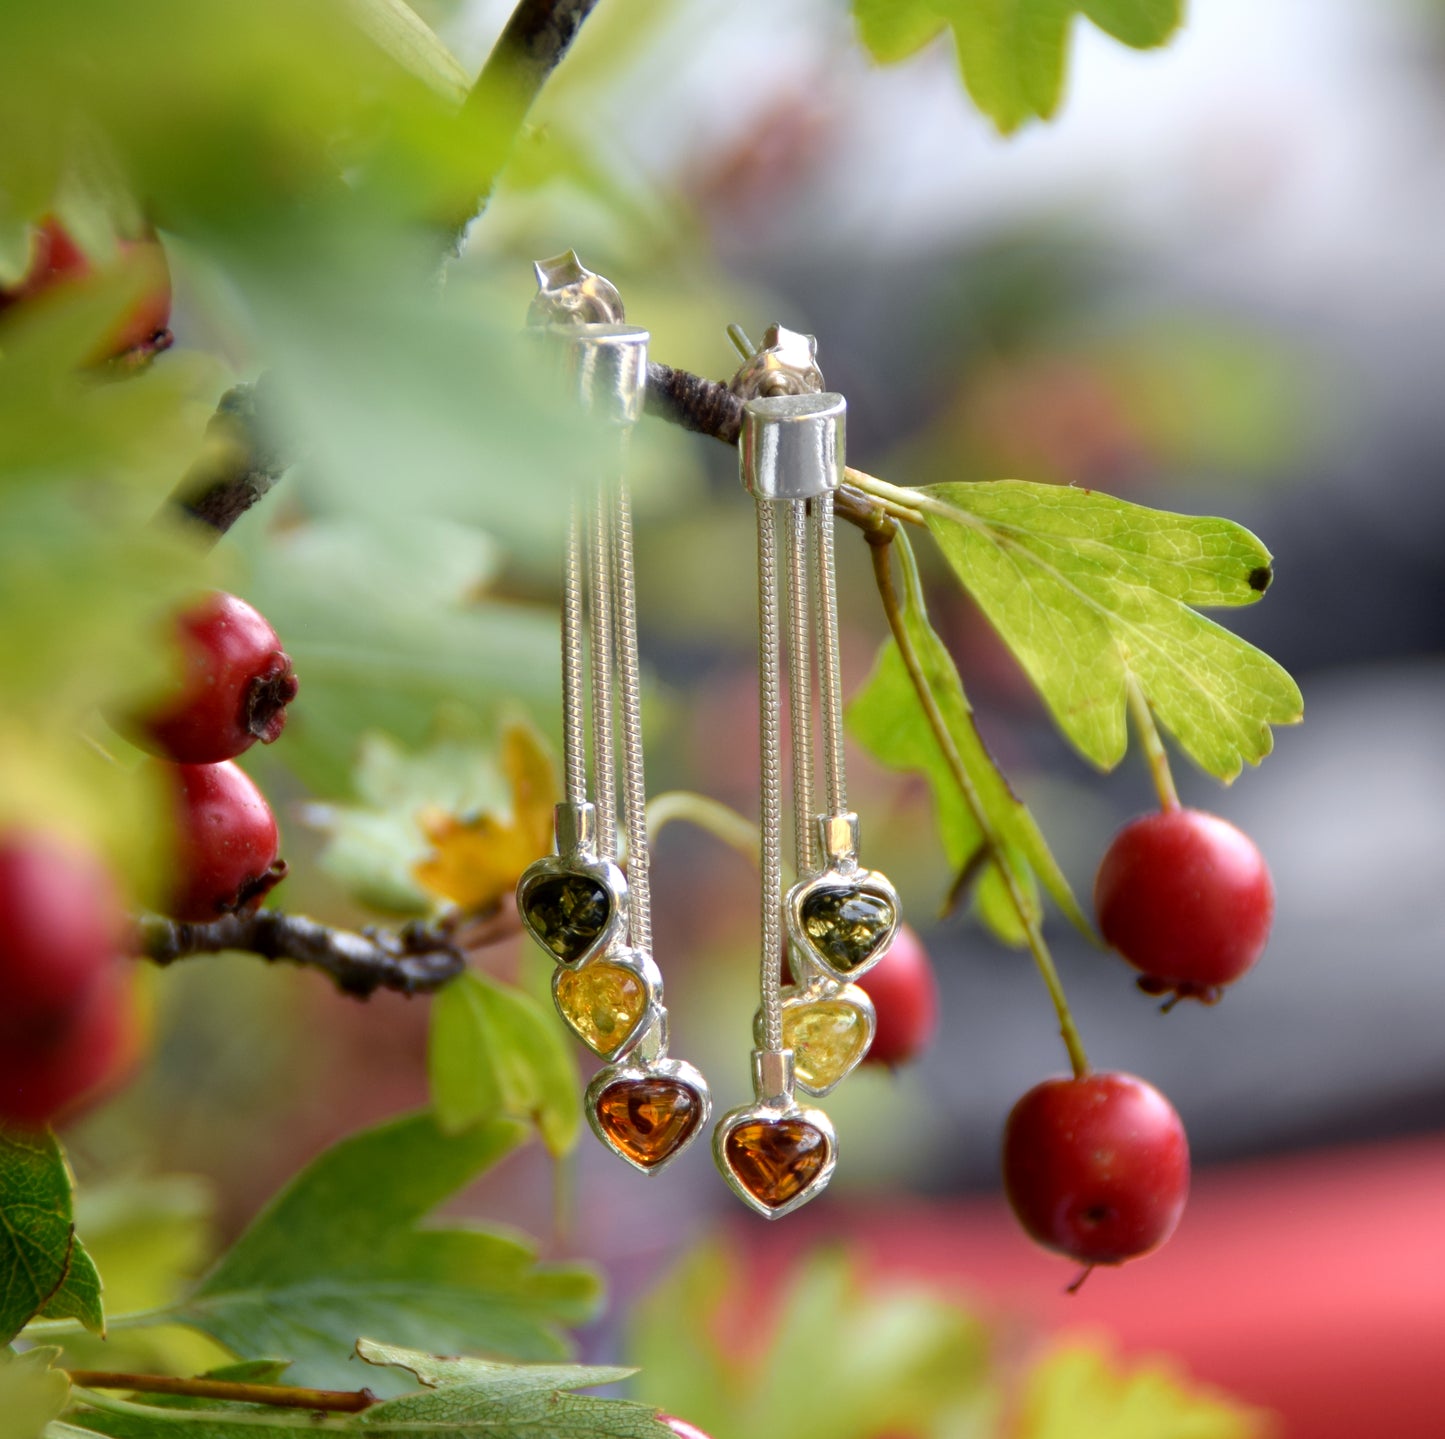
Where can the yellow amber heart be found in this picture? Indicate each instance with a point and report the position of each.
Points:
(603, 1003)
(827, 1037)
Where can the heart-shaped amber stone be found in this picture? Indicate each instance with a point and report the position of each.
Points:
(846, 925)
(648, 1119)
(827, 1037)
(566, 912)
(775, 1160)
(602, 1002)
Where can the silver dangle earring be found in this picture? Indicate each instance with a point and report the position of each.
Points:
(838, 918)
(578, 904)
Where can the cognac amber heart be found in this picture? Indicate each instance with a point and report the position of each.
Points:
(845, 925)
(648, 1119)
(602, 1002)
(775, 1160)
(827, 1037)
(567, 913)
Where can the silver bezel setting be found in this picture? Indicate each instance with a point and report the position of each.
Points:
(772, 1113)
(659, 1068)
(842, 877)
(801, 996)
(579, 865)
(634, 961)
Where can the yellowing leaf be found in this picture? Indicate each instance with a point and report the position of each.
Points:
(1079, 1393)
(477, 860)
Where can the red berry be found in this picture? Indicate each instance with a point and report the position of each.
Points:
(227, 842)
(1096, 1168)
(905, 996)
(48, 1070)
(55, 259)
(681, 1427)
(235, 688)
(61, 927)
(1187, 899)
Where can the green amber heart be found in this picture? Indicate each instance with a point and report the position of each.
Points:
(845, 925)
(567, 913)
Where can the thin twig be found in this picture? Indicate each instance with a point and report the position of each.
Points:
(882, 551)
(333, 1401)
(413, 960)
(1155, 755)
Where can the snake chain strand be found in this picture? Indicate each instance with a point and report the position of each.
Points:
(770, 740)
(600, 592)
(574, 707)
(830, 675)
(800, 683)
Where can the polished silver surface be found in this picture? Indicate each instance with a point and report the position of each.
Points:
(569, 293)
(786, 363)
(653, 1018)
(771, 799)
(608, 364)
(838, 838)
(575, 827)
(792, 446)
(637, 1068)
(800, 681)
(830, 665)
(773, 1076)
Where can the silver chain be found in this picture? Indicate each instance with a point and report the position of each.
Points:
(574, 709)
(800, 683)
(634, 785)
(599, 575)
(770, 741)
(830, 679)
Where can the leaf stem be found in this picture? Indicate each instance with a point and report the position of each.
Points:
(1155, 754)
(882, 552)
(724, 824)
(335, 1401)
(895, 500)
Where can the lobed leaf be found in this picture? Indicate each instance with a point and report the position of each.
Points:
(888, 720)
(38, 1247)
(1093, 593)
(496, 1051)
(1013, 54)
(338, 1253)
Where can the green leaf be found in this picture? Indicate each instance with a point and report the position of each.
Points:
(338, 1253)
(1093, 594)
(464, 1399)
(1013, 53)
(31, 1392)
(1079, 1393)
(496, 1051)
(413, 44)
(903, 1361)
(79, 1297)
(888, 720)
(38, 1248)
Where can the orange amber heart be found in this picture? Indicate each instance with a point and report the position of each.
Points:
(775, 1160)
(602, 1003)
(648, 1119)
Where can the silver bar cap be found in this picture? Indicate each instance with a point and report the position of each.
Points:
(608, 364)
(792, 446)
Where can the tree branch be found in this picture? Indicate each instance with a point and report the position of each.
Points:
(332, 1401)
(529, 49)
(416, 959)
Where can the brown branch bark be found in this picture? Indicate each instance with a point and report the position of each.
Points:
(278, 1396)
(413, 960)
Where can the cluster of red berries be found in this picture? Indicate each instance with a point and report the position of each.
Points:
(68, 1022)
(1096, 1167)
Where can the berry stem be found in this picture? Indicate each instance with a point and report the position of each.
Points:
(333, 1401)
(1155, 754)
(881, 545)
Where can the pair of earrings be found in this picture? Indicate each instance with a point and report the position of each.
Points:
(594, 919)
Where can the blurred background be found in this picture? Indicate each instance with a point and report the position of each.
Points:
(1214, 284)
